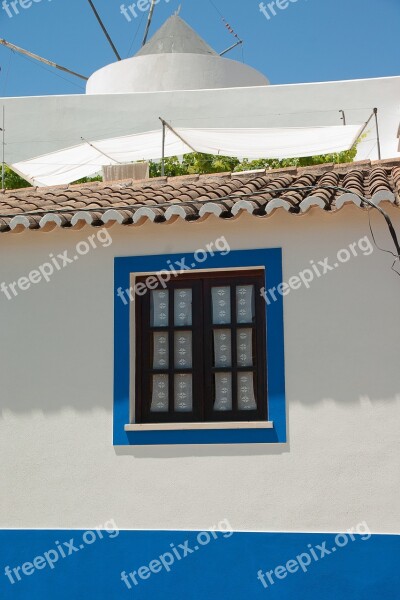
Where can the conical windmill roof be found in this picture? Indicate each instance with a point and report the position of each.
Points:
(175, 58)
(176, 37)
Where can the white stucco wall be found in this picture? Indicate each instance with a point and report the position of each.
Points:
(341, 463)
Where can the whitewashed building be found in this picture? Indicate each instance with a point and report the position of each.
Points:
(281, 417)
(200, 394)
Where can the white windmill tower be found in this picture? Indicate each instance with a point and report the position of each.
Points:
(175, 58)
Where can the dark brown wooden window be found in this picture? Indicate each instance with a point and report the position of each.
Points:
(201, 349)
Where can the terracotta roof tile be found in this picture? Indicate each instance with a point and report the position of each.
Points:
(194, 197)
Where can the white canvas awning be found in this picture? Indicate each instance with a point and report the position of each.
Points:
(39, 126)
(277, 142)
(68, 165)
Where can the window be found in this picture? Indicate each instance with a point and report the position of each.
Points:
(134, 424)
(201, 349)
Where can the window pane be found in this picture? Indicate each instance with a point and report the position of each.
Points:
(160, 397)
(159, 308)
(183, 350)
(245, 305)
(222, 348)
(245, 347)
(221, 305)
(183, 307)
(223, 391)
(246, 398)
(183, 393)
(160, 351)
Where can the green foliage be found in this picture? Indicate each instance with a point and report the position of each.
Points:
(197, 163)
(341, 157)
(88, 179)
(193, 164)
(12, 180)
(173, 168)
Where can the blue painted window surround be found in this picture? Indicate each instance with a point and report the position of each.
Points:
(271, 261)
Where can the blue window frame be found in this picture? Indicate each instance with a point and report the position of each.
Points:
(124, 267)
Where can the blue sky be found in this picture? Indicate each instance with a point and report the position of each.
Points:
(310, 40)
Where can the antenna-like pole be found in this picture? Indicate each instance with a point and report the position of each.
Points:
(377, 133)
(96, 14)
(238, 42)
(40, 59)
(163, 149)
(231, 48)
(149, 20)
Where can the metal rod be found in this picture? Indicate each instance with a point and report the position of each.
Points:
(3, 153)
(362, 130)
(163, 150)
(231, 48)
(343, 117)
(101, 152)
(149, 20)
(96, 14)
(377, 133)
(177, 134)
(40, 58)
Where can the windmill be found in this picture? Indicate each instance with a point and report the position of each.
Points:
(29, 54)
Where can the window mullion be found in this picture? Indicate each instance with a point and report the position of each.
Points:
(201, 368)
(208, 376)
(234, 349)
(171, 351)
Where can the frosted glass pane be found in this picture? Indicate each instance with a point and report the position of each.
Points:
(183, 307)
(160, 397)
(222, 348)
(223, 391)
(183, 393)
(245, 305)
(245, 347)
(246, 398)
(183, 350)
(221, 305)
(160, 352)
(159, 304)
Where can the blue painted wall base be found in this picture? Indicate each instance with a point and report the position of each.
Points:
(223, 568)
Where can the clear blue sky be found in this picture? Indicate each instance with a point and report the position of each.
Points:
(311, 40)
